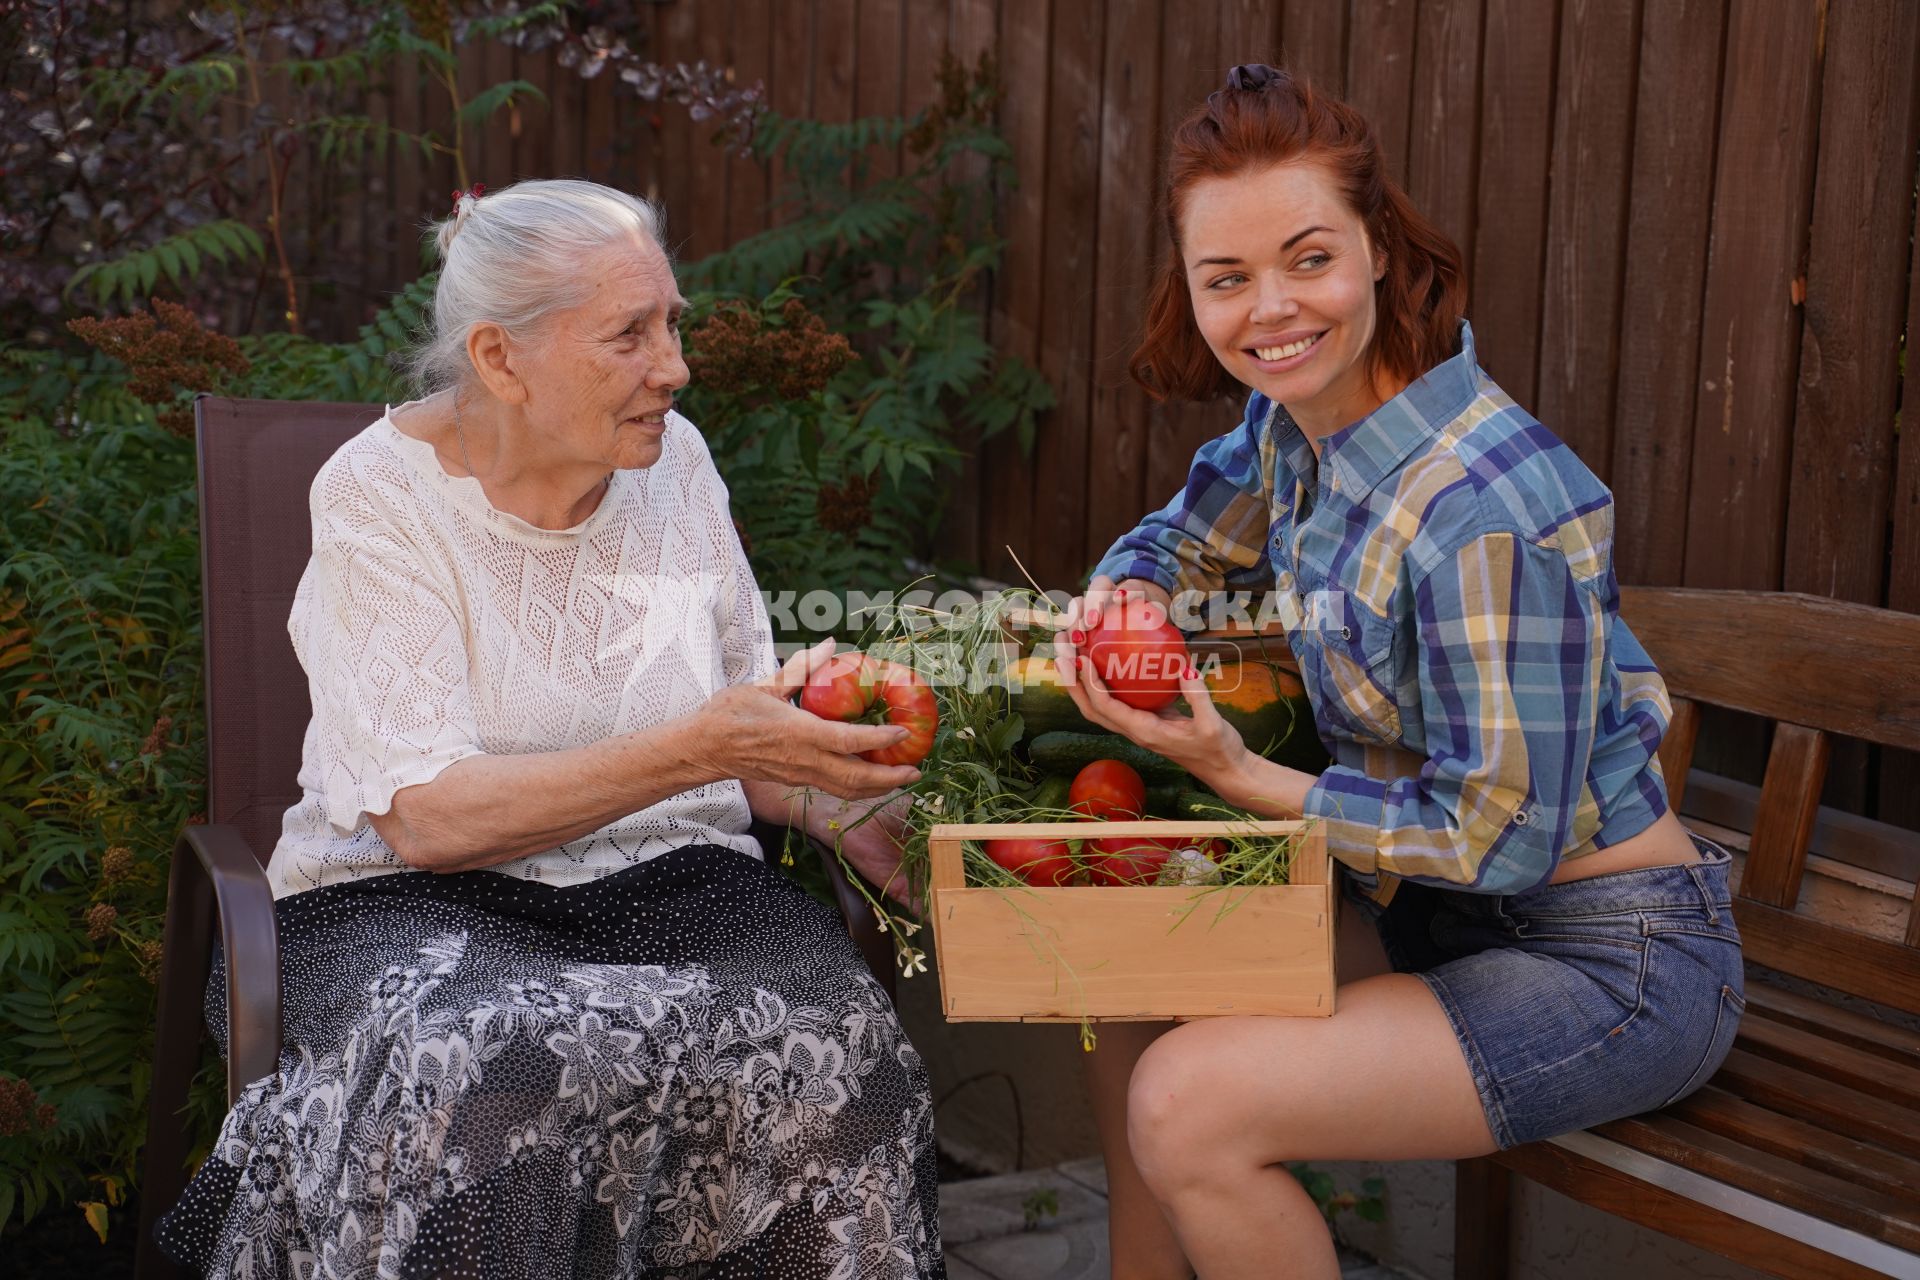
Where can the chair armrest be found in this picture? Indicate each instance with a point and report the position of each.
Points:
(250, 938)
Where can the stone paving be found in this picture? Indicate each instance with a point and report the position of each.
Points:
(982, 1222)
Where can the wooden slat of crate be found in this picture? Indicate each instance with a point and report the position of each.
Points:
(1132, 953)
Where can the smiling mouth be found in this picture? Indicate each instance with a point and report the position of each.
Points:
(1288, 351)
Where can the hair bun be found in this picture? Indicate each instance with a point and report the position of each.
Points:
(1251, 77)
(463, 204)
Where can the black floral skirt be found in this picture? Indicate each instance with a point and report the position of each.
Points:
(681, 1070)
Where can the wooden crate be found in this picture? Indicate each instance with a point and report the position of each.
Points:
(1123, 954)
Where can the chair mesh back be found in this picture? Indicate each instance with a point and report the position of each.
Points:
(258, 459)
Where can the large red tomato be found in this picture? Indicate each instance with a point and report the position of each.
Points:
(1138, 654)
(1107, 790)
(1129, 859)
(853, 687)
(1038, 862)
(840, 690)
(908, 700)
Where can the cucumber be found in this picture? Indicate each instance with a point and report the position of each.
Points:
(1052, 791)
(1163, 801)
(1068, 753)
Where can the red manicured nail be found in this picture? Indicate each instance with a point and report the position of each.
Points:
(1078, 637)
(1192, 674)
(1119, 597)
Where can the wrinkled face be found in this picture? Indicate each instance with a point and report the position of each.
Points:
(1281, 275)
(601, 382)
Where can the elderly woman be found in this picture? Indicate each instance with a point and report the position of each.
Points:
(547, 1009)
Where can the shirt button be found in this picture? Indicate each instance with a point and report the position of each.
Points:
(1521, 818)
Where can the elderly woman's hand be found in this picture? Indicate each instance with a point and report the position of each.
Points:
(754, 732)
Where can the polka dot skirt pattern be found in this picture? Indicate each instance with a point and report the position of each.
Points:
(680, 1071)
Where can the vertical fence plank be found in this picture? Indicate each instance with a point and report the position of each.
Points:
(1129, 116)
(1069, 269)
(567, 146)
(1674, 128)
(1380, 73)
(501, 62)
(1444, 145)
(1750, 336)
(602, 157)
(1900, 770)
(1315, 38)
(973, 32)
(876, 90)
(791, 87)
(1249, 32)
(1586, 225)
(833, 58)
(707, 218)
(675, 40)
(1007, 487)
(1855, 301)
(1840, 485)
(1193, 57)
(1516, 140)
(748, 192)
(539, 129)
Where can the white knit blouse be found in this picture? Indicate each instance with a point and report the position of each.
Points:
(433, 627)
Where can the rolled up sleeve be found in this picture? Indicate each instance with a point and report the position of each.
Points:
(1213, 534)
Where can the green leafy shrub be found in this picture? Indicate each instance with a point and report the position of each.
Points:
(840, 458)
(101, 765)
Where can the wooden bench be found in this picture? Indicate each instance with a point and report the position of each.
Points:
(257, 459)
(1801, 1157)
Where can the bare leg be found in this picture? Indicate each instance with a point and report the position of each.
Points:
(1141, 1242)
(1218, 1108)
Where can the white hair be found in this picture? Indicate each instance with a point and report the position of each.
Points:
(516, 256)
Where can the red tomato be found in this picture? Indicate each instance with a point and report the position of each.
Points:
(1129, 859)
(908, 700)
(852, 687)
(840, 690)
(1038, 862)
(1108, 789)
(1138, 654)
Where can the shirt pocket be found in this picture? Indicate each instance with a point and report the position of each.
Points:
(1349, 653)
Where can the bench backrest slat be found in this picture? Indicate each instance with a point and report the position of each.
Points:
(1818, 668)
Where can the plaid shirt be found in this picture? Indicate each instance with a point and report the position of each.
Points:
(1445, 576)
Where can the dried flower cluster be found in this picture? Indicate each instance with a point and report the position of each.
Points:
(151, 952)
(101, 917)
(737, 351)
(167, 351)
(116, 864)
(845, 508)
(156, 740)
(21, 1110)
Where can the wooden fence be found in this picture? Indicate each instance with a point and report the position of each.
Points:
(1687, 222)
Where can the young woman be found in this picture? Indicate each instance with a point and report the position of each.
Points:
(1563, 951)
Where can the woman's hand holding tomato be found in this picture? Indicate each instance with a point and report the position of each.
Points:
(753, 732)
(1204, 744)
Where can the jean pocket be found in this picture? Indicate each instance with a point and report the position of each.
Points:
(1726, 1025)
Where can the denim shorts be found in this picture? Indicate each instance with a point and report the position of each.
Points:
(1582, 1002)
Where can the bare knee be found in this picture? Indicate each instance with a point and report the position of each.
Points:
(1175, 1119)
